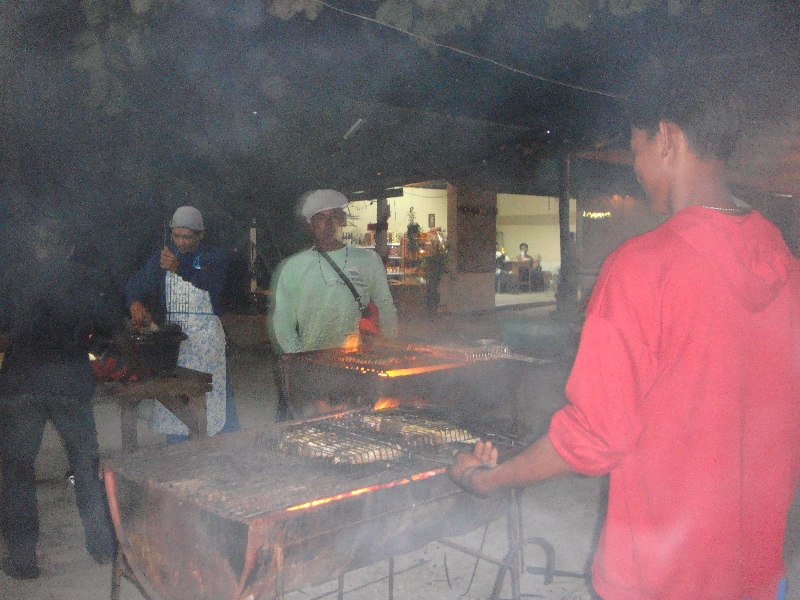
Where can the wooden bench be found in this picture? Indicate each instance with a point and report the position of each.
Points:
(181, 390)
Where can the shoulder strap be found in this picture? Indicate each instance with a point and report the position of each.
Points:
(344, 277)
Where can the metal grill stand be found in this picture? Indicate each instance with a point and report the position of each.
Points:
(233, 517)
(512, 563)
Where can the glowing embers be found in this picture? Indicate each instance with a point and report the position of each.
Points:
(413, 428)
(367, 490)
(385, 402)
(322, 441)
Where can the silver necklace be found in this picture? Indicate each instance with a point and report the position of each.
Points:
(321, 272)
(738, 211)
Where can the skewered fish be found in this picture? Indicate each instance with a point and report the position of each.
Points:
(414, 429)
(340, 447)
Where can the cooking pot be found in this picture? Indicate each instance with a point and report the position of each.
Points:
(155, 350)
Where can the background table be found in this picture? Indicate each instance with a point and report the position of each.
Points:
(182, 391)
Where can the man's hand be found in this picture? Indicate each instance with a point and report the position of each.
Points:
(169, 262)
(469, 470)
(139, 315)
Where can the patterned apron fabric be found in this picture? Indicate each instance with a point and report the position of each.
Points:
(204, 351)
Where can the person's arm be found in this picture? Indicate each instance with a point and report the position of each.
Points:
(382, 297)
(479, 473)
(108, 310)
(145, 281)
(284, 313)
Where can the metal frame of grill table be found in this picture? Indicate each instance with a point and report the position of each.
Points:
(513, 563)
(406, 509)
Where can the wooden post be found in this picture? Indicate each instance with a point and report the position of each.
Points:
(253, 255)
(383, 226)
(566, 295)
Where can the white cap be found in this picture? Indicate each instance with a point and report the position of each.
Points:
(319, 200)
(189, 217)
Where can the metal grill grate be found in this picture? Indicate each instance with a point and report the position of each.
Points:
(339, 446)
(177, 299)
(413, 428)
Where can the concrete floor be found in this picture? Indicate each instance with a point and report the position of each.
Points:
(564, 511)
(524, 299)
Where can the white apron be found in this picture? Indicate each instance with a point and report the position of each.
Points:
(204, 351)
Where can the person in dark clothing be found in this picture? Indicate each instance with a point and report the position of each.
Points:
(49, 307)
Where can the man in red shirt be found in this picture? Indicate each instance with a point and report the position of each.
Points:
(686, 385)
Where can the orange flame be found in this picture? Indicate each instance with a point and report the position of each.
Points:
(366, 490)
(386, 402)
(419, 370)
(352, 342)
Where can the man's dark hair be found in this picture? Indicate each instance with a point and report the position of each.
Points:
(706, 108)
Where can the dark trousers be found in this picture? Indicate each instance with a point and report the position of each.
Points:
(22, 423)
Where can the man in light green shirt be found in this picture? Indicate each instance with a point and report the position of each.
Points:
(313, 308)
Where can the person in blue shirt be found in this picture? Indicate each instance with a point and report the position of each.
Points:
(189, 277)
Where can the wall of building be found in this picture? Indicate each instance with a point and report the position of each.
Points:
(534, 221)
(425, 202)
(468, 286)
(520, 218)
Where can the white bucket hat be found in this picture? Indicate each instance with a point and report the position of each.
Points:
(189, 217)
(318, 200)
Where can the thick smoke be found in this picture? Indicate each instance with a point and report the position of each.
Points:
(121, 112)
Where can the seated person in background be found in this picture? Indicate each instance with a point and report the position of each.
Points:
(523, 254)
(499, 257)
(537, 276)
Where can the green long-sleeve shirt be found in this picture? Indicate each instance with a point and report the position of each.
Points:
(313, 309)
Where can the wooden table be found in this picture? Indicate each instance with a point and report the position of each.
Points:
(182, 391)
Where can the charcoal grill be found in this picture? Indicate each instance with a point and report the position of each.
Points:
(480, 383)
(250, 515)
(240, 517)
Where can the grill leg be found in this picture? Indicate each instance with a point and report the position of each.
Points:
(391, 578)
(340, 590)
(521, 533)
(512, 563)
(116, 575)
(514, 547)
(278, 573)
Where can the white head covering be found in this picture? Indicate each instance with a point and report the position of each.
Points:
(319, 200)
(189, 217)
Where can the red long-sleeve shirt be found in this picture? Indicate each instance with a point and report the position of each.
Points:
(686, 389)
